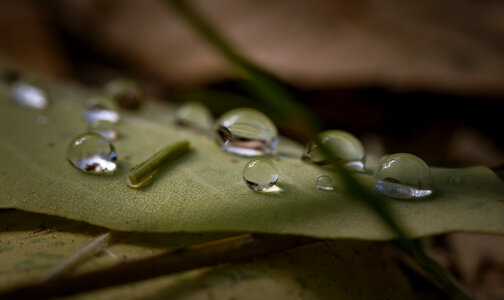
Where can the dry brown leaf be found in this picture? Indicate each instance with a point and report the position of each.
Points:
(451, 46)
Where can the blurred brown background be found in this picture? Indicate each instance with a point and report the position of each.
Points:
(425, 77)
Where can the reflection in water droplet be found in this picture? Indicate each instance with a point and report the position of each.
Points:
(325, 183)
(403, 176)
(104, 128)
(91, 153)
(454, 179)
(247, 132)
(343, 144)
(194, 115)
(28, 95)
(101, 108)
(127, 92)
(260, 174)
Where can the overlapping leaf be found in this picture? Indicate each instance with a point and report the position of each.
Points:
(31, 245)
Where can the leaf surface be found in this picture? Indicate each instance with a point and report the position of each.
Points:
(204, 190)
(32, 244)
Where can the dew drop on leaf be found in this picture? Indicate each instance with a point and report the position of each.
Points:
(325, 183)
(101, 108)
(104, 128)
(403, 176)
(28, 95)
(126, 92)
(342, 144)
(260, 174)
(91, 153)
(194, 115)
(247, 132)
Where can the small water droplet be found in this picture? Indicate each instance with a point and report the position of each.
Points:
(343, 144)
(454, 180)
(101, 108)
(194, 115)
(91, 153)
(247, 132)
(127, 92)
(28, 95)
(260, 174)
(403, 176)
(104, 128)
(325, 183)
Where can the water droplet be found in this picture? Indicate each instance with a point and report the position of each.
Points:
(91, 153)
(454, 180)
(101, 108)
(343, 144)
(28, 95)
(325, 183)
(260, 174)
(127, 92)
(104, 128)
(403, 176)
(247, 132)
(194, 115)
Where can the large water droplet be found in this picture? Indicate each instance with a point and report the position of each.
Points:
(403, 176)
(101, 108)
(342, 144)
(104, 128)
(260, 174)
(28, 95)
(325, 183)
(247, 132)
(127, 92)
(91, 153)
(194, 115)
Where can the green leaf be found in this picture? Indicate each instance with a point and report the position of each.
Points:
(32, 244)
(204, 191)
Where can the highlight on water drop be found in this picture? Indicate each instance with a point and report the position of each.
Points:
(325, 183)
(246, 132)
(104, 128)
(403, 176)
(28, 95)
(101, 108)
(344, 145)
(260, 174)
(91, 153)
